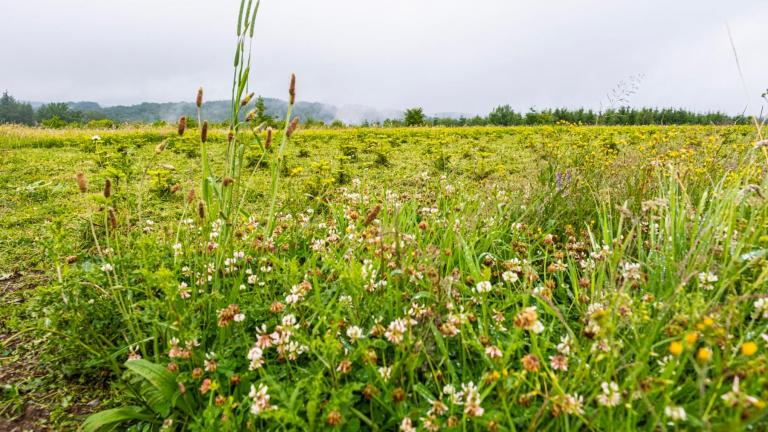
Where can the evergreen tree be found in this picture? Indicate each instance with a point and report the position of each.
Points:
(12, 111)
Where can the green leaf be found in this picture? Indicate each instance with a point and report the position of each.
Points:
(114, 416)
(164, 384)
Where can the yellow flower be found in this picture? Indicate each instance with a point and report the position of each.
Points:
(748, 348)
(675, 348)
(691, 338)
(704, 354)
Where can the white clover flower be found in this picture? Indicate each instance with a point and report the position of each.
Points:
(385, 372)
(675, 413)
(483, 287)
(611, 395)
(510, 277)
(354, 333)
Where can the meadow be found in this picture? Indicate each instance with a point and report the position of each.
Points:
(523, 278)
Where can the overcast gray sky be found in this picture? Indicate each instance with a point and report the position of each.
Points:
(444, 55)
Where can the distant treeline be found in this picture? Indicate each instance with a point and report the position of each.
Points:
(504, 115)
(272, 111)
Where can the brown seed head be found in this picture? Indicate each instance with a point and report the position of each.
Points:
(199, 100)
(82, 182)
(398, 395)
(112, 218)
(268, 142)
(191, 196)
(531, 363)
(372, 214)
(334, 418)
(292, 89)
(182, 125)
(108, 188)
(227, 181)
(292, 127)
(251, 115)
(230, 136)
(204, 132)
(246, 100)
(201, 209)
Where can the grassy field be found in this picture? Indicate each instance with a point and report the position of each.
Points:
(526, 278)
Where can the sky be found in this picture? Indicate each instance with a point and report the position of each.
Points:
(442, 55)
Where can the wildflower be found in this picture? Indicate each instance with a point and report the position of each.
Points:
(748, 348)
(354, 333)
(675, 348)
(559, 362)
(675, 413)
(493, 352)
(205, 386)
(704, 354)
(736, 396)
(706, 279)
(345, 366)
(260, 400)
(133, 353)
(107, 267)
(510, 277)
(472, 400)
(406, 425)
(691, 338)
(438, 408)
(334, 418)
(483, 287)
(385, 372)
(255, 355)
(564, 347)
(210, 362)
(229, 314)
(568, 404)
(527, 319)
(631, 272)
(610, 397)
(531, 363)
(95, 138)
(395, 331)
(761, 308)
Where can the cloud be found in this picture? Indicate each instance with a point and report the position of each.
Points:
(444, 55)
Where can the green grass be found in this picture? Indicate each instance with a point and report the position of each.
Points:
(610, 255)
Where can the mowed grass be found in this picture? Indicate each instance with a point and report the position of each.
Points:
(554, 277)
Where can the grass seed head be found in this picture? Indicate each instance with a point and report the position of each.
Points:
(372, 214)
(204, 132)
(191, 196)
(107, 188)
(199, 99)
(246, 100)
(112, 218)
(268, 142)
(182, 125)
(201, 209)
(82, 182)
(292, 127)
(292, 89)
